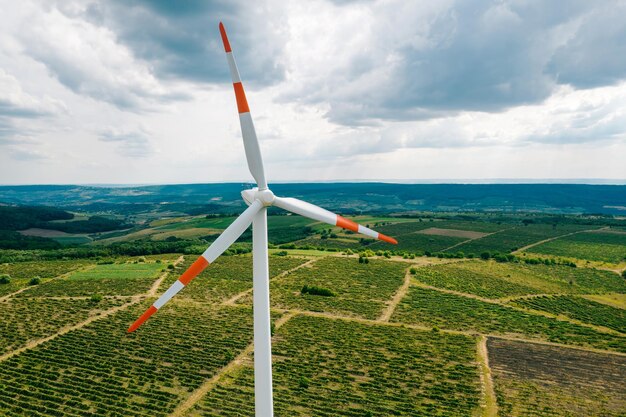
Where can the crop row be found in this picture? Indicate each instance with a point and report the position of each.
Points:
(228, 276)
(434, 308)
(578, 308)
(361, 290)
(326, 367)
(42, 269)
(495, 279)
(596, 246)
(28, 319)
(101, 370)
(515, 238)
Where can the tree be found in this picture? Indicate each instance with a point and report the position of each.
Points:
(5, 279)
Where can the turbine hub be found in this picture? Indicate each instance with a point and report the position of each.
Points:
(264, 196)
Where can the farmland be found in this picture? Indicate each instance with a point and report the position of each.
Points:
(337, 368)
(448, 311)
(496, 280)
(604, 246)
(539, 380)
(580, 309)
(361, 290)
(385, 331)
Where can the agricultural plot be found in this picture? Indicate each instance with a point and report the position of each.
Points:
(26, 319)
(228, 276)
(325, 367)
(360, 290)
(434, 308)
(594, 246)
(101, 370)
(539, 380)
(495, 280)
(42, 269)
(578, 308)
(112, 279)
(336, 243)
(514, 238)
(419, 242)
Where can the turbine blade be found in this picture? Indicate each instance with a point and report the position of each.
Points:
(218, 247)
(317, 213)
(250, 141)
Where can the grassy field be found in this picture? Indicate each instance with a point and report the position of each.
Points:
(539, 380)
(113, 279)
(337, 368)
(605, 246)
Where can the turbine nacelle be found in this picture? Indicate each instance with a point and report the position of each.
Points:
(266, 197)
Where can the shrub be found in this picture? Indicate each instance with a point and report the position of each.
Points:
(95, 298)
(281, 253)
(34, 281)
(171, 266)
(303, 382)
(313, 290)
(485, 255)
(413, 271)
(5, 279)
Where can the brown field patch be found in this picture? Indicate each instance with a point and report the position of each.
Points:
(537, 379)
(44, 232)
(467, 234)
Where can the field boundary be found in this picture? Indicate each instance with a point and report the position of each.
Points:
(489, 396)
(239, 361)
(397, 297)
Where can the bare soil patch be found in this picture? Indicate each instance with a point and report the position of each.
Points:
(466, 234)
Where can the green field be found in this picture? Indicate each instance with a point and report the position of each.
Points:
(228, 276)
(338, 368)
(447, 311)
(101, 370)
(113, 279)
(495, 280)
(361, 290)
(578, 308)
(515, 238)
(597, 246)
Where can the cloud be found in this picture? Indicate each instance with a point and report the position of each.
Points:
(181, 40)
(131, 143)
(89, 60)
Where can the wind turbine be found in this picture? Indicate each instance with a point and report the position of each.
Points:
(258, 200)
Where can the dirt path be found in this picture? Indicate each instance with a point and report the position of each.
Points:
(554, 238)
(134, 300)
(239, 360)
(155, 287)
(490, 403)
(233, 300)
(398, 296)
(67, 274)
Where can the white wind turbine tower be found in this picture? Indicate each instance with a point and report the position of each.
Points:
(258, 200)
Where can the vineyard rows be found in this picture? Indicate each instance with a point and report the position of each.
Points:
(434, 308)
(327, 367)
(597, 246)
(361, 290)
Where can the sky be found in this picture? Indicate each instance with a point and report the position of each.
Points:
(138, 91)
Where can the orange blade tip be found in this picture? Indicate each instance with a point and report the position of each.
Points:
(224, 38)
(387, 239)
(145, 316)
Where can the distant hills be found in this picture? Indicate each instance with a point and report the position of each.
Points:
(347, 198)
